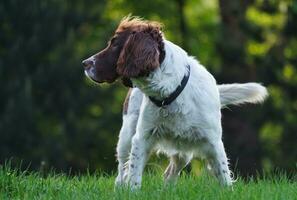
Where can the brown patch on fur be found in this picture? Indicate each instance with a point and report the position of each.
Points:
(136, 48)
(126, 103)
(106, 60)
(136, 24)
(139, 56)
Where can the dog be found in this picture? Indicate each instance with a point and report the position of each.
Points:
(173, 106)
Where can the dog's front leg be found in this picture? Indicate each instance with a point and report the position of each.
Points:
(124, 146)
(142, 144)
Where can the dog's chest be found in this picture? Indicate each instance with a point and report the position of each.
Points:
(171, 124)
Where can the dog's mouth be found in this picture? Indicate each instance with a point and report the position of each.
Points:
(91, 75)
(89, 72)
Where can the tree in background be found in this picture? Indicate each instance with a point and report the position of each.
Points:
(50, 113)
(252, 46)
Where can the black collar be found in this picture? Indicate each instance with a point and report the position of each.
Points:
(168, 100)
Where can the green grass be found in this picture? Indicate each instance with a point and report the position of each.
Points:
(24, 185)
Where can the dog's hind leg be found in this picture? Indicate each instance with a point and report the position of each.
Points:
(177, 163)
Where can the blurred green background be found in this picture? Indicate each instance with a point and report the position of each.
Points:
(51, 116)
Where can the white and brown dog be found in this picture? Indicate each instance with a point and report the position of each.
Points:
(174, 106)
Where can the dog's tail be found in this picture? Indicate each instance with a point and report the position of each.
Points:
(237, 94)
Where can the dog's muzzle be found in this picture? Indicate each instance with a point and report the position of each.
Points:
(89, 66)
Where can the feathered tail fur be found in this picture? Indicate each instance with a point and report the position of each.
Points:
(236, 93)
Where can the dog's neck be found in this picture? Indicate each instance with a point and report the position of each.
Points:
(166, 78)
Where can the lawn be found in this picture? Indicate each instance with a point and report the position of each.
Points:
(24, 185)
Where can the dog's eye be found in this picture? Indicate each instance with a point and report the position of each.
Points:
(113, 39)
(113, 42)
(114, 45)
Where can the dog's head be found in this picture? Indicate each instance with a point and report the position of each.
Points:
(135, 50)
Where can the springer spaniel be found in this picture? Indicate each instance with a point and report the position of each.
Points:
(174, 104)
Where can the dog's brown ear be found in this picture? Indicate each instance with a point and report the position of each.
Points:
(139, 56)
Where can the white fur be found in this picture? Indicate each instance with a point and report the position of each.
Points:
(242, 93)
(187, 128)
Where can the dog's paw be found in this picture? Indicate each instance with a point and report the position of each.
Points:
(119, 181)
(134, 183)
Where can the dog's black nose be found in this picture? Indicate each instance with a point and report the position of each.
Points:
(88, 63)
